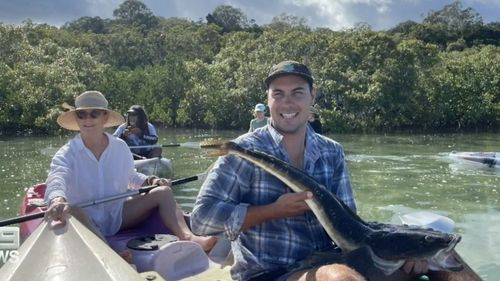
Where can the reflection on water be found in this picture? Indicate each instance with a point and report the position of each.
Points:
(392, 175)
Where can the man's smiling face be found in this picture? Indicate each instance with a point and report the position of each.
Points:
(290, 98)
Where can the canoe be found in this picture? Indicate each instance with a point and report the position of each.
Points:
(154, 249)
(481, 159)
(161, 167)
(49, 254)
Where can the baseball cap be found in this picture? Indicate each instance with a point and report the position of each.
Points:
(289, 67)
(260, 107)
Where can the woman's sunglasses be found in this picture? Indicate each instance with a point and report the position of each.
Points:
(94, 114)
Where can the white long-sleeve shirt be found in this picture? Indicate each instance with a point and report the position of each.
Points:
(78, 176)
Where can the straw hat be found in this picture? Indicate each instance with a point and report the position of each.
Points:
(88, 100)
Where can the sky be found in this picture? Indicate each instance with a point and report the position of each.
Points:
(333, 14)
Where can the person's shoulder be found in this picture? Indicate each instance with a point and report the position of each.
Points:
(119, 130)
(70, 149)
(326, 142)
(257, 139)
(67, 147)
(114, 140)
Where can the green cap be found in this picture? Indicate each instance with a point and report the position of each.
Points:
(289, 68)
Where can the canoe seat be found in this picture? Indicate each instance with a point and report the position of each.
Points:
(166, 254)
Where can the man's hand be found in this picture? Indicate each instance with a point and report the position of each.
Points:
(287, 205)
(292, 204)
(416, 266)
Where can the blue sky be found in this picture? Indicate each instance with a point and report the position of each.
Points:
(334, 14)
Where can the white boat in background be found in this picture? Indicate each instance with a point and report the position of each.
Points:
(481, 159)
(161, 167)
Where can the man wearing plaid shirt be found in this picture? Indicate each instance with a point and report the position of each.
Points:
(270, 226)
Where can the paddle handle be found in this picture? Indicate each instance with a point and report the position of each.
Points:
(171, 145)
(144, 189)
(155, 145)
(22, 219)
(205, 144)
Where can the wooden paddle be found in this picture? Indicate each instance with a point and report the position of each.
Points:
(105, 199)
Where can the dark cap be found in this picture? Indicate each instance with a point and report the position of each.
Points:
(289, 68)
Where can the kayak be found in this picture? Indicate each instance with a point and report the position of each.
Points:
(155, 251)
(50, 254)
(161, 167)
(75, 253)
(483, 159)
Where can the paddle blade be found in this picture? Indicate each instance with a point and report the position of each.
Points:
(216, 150)
(212, 143)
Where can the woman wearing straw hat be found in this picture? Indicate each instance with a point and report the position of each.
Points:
(95, 164)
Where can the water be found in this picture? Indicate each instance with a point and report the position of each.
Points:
(392, 175)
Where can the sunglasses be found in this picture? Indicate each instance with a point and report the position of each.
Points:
(94, 114)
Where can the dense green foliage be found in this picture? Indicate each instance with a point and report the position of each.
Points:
(441, 74)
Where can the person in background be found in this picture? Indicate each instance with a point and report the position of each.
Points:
(137, 131)
(314, 121)
(260, 119)
(271, 228)
(94, 165)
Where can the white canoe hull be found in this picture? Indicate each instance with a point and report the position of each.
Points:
(69, 252)
(73, 253)
(161, 167)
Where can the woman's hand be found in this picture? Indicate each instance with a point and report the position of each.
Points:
(162, 181)
(154, 180)
(58, 210)
(135, 131)
(131, 130)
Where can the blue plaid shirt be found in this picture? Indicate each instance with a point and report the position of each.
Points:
(235, 184)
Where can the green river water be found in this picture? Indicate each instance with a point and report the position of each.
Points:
(392, 175)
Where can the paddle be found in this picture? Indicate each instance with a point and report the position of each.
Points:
(138, 156)
(203, 144)
(105, 199)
